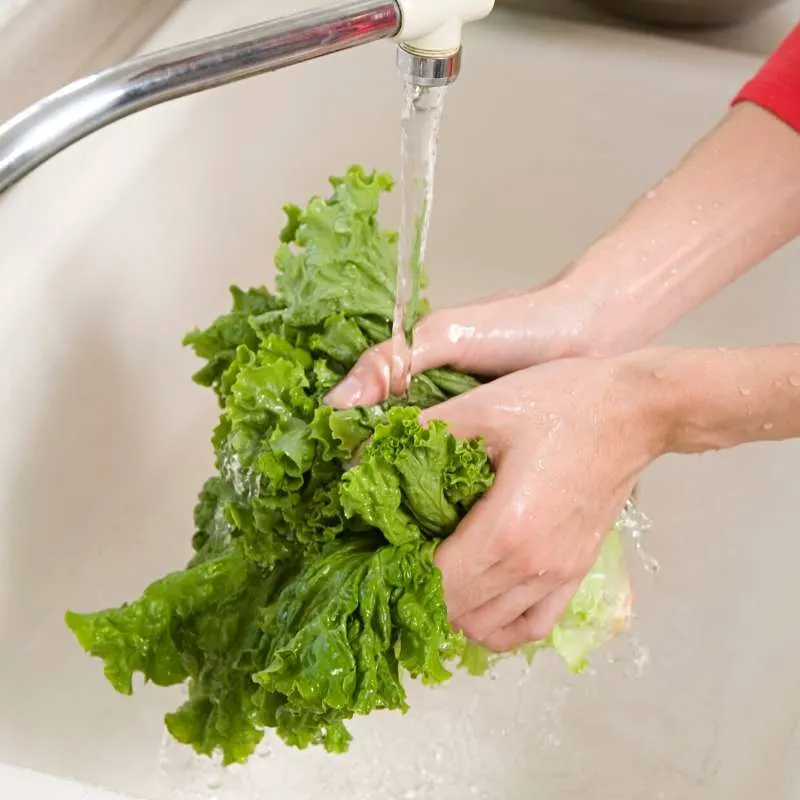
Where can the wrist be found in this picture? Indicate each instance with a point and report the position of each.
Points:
(697, 400)
(691, 235)
(651, 417)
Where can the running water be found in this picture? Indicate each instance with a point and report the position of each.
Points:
(422, 113)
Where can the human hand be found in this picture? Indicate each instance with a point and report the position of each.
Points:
(568, 440)
(489, 337)
(729, 203)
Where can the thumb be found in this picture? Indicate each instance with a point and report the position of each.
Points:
(436, 343)
(463, 417)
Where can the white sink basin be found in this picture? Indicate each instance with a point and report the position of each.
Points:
(25, 784)
(115, 249)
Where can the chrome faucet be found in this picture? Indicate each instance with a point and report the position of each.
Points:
(428, 33)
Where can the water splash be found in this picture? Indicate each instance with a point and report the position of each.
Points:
(183, 775)
(633, 653)
(422, 113)
(636, 524)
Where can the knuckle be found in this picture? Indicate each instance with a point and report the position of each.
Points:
(562, 570)
(509, 536)
(531, 564)
(472, 630)
(496, 645)
(537, 628)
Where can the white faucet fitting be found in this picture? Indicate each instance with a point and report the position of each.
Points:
(433, 27)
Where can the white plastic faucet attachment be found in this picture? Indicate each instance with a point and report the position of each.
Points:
(432, 28)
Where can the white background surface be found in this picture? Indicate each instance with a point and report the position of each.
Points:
(112, 251)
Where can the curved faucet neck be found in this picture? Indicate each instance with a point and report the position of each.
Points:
(88, 104)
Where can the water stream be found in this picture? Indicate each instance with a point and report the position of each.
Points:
(422, 113)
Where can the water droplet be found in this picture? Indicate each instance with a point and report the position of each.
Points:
(264, 751)
(744, 391)
(651, 194)
(658, 375)
(693, 222)
(473, 789)
(214, 782)
(768, 426)
(700, 206)
(794, 380)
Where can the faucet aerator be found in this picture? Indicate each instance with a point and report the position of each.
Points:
(428, 69)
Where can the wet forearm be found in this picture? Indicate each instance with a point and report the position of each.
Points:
(700, 400)
(731, 202)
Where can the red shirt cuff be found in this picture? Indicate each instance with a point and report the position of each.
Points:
(776, 87)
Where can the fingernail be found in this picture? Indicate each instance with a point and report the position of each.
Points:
(347, 393)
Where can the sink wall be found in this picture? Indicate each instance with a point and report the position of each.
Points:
(115, 249)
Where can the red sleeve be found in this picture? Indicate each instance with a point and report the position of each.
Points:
(776, 87)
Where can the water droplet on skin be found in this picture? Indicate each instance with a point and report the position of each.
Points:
(794, 380)
(768, 426)
(651, 194)
(658, 375)
(693, 222)
(744, 392)
(700, 207)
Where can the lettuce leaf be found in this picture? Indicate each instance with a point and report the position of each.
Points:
(312, 590)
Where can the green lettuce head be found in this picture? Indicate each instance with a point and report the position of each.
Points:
(312, 590)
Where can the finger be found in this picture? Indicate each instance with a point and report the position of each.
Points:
(464, 419)
(511, 570)
(367, 383)
(443, 338)
(504, 609)
(468, 556)
(535, 624)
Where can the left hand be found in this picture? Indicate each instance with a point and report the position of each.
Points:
(568, 440)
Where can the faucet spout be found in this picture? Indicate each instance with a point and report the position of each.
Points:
(429, 32)
(46, 128)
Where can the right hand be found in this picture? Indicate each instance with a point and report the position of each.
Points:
(491, 337)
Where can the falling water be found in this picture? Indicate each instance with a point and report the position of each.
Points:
(422, 113)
